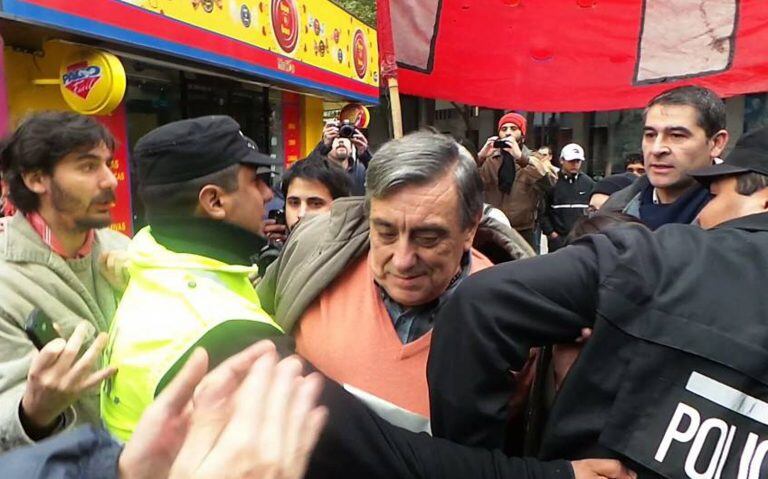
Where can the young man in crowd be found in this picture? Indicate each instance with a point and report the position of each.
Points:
(634, 164)
(58, 169)
(513, 179)
(350, 153)
(309, 188)
(660, 372)
(684, 130)
(569, 198)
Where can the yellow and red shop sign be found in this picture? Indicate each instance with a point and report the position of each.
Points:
(312, 44)
(315, 32)
(92, 82)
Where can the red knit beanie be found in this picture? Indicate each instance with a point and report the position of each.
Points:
(515, 119)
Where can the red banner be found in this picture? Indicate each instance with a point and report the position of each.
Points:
(576, 55)
(122, 213)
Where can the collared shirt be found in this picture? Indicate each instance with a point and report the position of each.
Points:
(413, 322)
(46, 234)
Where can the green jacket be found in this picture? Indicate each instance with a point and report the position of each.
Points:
(319, 250)
(31, 275)
(174, 302)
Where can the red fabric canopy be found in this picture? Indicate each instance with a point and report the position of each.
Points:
(574, 55)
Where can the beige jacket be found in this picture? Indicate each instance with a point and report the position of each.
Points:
(521, 204)
(31, 275)
(319, 250)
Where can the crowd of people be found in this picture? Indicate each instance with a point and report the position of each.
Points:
(399, 318)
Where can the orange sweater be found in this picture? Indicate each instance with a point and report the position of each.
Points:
(348, 335)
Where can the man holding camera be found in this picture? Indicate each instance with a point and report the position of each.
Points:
(515, 181)
(346, 146)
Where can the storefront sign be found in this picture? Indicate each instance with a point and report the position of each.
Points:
(312, 44)
(291, 134)
(92, 82)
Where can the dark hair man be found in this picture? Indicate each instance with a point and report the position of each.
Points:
(351, 154)
(359, 285)
(204, 186)
(310, 186)
(569, 198)
(684, 130)
(57, 167)
(513, 179)
(634, 163)
(665, 369)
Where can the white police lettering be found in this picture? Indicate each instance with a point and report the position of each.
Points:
(688, 427)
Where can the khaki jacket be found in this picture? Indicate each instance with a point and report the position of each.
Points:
(320, 249)
(31, 275)
(531, 185)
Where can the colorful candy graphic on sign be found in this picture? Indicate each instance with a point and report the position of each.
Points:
(285, 20)
(360, 54)
(80, 78)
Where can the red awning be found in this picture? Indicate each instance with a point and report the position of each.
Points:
(575, 55)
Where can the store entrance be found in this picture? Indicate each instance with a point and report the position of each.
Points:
(156, 96)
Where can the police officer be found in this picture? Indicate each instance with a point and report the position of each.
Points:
(673, 380)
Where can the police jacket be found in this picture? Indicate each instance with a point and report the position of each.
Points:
(674, 380)
(566, 202)
(190, 286)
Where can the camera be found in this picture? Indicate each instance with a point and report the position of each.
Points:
(278, 216)
(500, 144)
(347, 129)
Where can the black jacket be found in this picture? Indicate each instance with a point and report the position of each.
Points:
(680, 337)
(566, 202)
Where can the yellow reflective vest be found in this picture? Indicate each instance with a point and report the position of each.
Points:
(174, 302)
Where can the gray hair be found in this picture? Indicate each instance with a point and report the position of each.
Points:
(419, 159)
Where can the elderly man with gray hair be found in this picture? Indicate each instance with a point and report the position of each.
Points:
(359, 287)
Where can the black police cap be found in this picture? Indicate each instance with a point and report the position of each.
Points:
(188, 149)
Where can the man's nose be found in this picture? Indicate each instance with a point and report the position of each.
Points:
(659, 146)
(302, 210)
(404, 258)
(108, 179)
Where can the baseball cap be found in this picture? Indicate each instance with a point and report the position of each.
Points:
(749, 155)
(572, 152)
(188, 149)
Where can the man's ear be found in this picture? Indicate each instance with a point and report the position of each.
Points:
(36, 181)
(719, 142)
(210, 202)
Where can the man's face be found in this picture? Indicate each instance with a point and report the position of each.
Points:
(545, 154)
(728, 204)
(245, 206)
(510, 129)
(674, 144)
(81, 189)
(341, 148)
(637, 169)
(571, 167)
(305, 196)
(417, 241)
